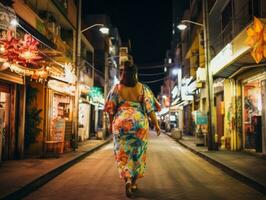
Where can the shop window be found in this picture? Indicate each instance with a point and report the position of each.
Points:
(227, 24)
(252, 115)
(61, 107)
(211, 4)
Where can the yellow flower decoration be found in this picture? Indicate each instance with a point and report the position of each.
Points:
(257, 40)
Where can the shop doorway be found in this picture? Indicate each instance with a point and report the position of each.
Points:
(220, 115)
(188, 126)
(92, 122)
(5, 126)
(252, 114)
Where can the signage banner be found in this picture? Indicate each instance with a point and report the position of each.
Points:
(200, 118)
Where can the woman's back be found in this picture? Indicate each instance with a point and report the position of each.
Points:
(134, 94)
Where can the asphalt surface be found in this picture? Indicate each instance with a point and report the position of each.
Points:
(173, 172)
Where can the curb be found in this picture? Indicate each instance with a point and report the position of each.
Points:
(40, 181)
(233, 173)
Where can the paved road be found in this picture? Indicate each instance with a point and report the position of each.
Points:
(172, 173)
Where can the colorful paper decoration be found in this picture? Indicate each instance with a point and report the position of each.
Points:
(22, 57)
(257, 40)
(28, 51)
(70, 76)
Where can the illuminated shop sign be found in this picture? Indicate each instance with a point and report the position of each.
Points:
(96, 95)
(174, 92)
(187, 89)
(61, 87)
(222, 58)
(68, 75)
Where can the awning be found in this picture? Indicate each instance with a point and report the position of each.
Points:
(163, 111)
(235, 69)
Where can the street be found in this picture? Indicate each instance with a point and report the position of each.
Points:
(172, 172)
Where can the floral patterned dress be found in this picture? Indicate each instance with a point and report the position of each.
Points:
(130, 128)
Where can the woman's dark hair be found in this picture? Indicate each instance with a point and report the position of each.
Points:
(129, 75)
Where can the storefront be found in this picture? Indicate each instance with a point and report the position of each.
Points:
(254, 104)
(218, 89)
(96, 100)
(12, 116)
(12, 91)
(188, 87)
(61, 97)
(84, 113)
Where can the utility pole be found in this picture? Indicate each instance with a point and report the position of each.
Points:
(78, 50)
(106, 80)
(209, 78)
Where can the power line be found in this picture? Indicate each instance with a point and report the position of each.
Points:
(155, 66)
(155, 74)
(93, 67)
(153, 81)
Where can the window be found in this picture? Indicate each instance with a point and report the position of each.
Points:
(254, 8)
(211, 4)
(226, 15)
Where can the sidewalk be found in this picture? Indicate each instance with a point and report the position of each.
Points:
(19, 177)
(244, 166)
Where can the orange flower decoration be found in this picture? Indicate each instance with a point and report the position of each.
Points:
(257, 40)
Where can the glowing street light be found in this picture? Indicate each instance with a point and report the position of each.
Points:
(209, 79)
(175, 71)
(103, 29)
(182, 26)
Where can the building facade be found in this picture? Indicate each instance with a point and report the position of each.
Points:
(239, 80)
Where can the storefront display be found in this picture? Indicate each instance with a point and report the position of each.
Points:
(84, 121)
(61, 117)
(61, 107)
(252, 114)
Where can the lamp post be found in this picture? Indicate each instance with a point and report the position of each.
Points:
(103, 30)
(209, 80)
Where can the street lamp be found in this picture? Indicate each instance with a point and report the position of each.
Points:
(175, 71)
(182, 26)
(103, 29)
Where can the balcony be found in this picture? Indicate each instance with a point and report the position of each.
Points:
(234, 56)
(242, 17)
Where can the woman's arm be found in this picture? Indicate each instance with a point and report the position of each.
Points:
(111, 117)
(157, 105)
(155, 122)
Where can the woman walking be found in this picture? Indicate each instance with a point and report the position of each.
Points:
(129, 104)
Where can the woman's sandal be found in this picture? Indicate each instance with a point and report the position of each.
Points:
(134, 187)
(128, 188)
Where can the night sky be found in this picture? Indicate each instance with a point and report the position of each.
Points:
(147, 24)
